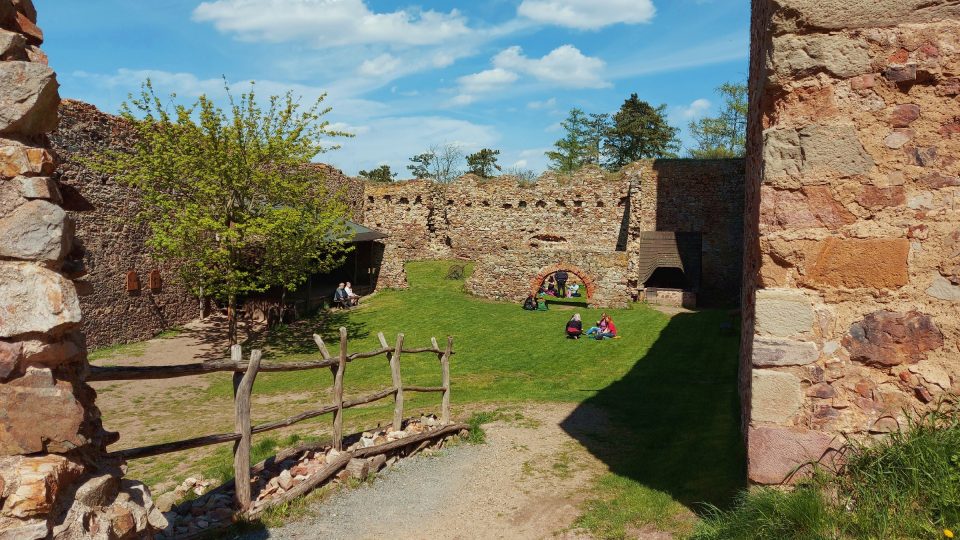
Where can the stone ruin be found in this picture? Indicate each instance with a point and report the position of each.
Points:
(54, 481)
(851, 283)
(851, 244)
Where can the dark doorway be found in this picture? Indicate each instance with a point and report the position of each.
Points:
(667, 278)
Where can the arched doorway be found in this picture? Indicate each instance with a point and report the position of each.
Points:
(588, 282)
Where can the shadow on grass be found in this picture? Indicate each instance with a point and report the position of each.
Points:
(675, 416)
(297, 337)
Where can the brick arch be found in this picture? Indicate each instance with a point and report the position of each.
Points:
(584, 276)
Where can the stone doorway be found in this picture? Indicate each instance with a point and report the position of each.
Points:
(585, 279)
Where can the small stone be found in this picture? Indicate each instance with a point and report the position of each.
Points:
(887, 338)
(941, 288)
(901, 73)
(904, 115)
(202, 523)
(936, 180)
(863, 82)
(166, 501)
(285, 480)
(885, 424)
(898, 138)
(821, 391)
(923, 394)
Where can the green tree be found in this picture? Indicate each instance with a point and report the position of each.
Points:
(483, 163)
(227, 195)
(725, 135)
(597, 127)
(639, 131)
(380, 174)
(440, 162)
(573, 150)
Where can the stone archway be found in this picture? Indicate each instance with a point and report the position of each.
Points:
(585, 277)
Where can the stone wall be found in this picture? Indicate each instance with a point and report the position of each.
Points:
(110, 241)
(852, 266)
(53, 478)
(512, 230)
(705, 196)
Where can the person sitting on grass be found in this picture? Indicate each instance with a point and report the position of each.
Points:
(574, 327)
(353, 299)
(609, 332)
(599, 327)
(541, 302)
(340, 297)
(573, 290)
(530, 304)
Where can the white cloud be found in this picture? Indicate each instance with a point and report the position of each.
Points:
(519, 164)
(384, 65)
(545, 104)
(462, 99)
(487, 81)
(697, 109)
(563, 66)
(329, 23)
(587, 14)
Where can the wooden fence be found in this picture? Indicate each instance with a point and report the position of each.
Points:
(244, 375)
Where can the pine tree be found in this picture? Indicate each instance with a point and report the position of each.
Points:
(483, 163)
(639, 131)
(573, 150)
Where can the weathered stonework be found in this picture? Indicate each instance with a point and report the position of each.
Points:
(51, 439)
(849, 311)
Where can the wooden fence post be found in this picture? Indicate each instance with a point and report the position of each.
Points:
(445, 374)
(338, 392)
(241, 448)
(398, 384)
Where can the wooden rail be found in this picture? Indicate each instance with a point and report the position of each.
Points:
(244, 375)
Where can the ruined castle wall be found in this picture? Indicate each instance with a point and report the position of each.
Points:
(54, 480)
(853, 239)
(704, 196)
(110, 241)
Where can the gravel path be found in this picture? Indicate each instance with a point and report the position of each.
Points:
(526, 482)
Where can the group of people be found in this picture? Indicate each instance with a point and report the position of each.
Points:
(344, 295)
(604, 329)
(556, 286)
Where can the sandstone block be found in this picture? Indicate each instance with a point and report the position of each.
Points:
(861, 263)
(17, 159)
(34, 299)
(783, 352)
(783, 312)
(775, 453)
(826, 15)
(36, 231)
(887, 338)
(863, 82)
(875, 198)
(776, 396)
(40, 414)
(39, 187)
(38, 480)
(943, 289)
(796, 56)
(28, 98)
(814, 150)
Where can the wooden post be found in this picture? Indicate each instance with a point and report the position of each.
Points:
(445, 381)
(397, 383)
(338, 392)
(241, 448)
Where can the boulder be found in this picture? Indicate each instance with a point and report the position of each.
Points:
(28, 98)
(36, 231)
(38, 480)
(776, 452)
(17, 158)
(776, 396)
(40, 414)
(13, 46)
(886, 338)
(34, 299)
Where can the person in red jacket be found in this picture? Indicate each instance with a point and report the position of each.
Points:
(610, 331)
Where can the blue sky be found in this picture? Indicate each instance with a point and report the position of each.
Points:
(405, 76)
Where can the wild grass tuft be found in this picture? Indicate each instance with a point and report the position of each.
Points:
(904, 485)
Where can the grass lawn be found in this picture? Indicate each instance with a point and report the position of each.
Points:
(668, 385)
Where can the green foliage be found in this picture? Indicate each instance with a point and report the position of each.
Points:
(905, 485)
(442, 163)
(573, 150)
(483, 163)
(227, 194)
(639, 131)
(723, 136)
(380, 174)
(476, 422)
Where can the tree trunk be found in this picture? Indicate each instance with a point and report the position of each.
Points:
(232, 319)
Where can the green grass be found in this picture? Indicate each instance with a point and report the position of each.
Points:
(668, 386)
(906, 485)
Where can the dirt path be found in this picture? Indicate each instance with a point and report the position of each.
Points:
(525, 482)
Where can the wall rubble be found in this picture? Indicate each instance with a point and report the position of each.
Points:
(850, 267)
(54, 481)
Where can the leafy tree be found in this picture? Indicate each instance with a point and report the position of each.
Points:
(639, 131)
(483, 163)
(573, 150)
(522, 174)
(597, 127)
(380, 174)
(723, 136)
(440, 162)
(227, 195)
